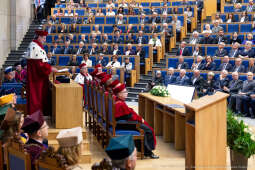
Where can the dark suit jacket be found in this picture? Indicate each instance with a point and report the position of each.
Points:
(91, 41)
(250, 53)
(201, 66)
(233, 53)
(211, 66)
(64, 31)
(144, 22)
(185, 81)
(221, 53)
(248, 87)
(83, 50)
(198, 84)
(184, 65)
(228, 67)
(235, 86)
(185, 52)
(118, 40)
(240, 70)
(169, 80)
(96, 51)
(77, 21)
(143, 40)
(165, 20)
(131, 41)
(69, 50)
(232, 41)
(223, 39)
(102, 62)
(142, 55)
(150, 30)
(71, 63)
(105, 52)
(207, 40)
(56, 50)
(250, 69)
(108, 41)
(222, 83)
(53, 29)
(157, 20)
(132, 52)
(118, 52)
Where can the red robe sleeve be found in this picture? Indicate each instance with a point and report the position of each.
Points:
(44, 68)
(122, 110)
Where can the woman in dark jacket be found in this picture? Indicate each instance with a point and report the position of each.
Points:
(209, 65)
(210, 85)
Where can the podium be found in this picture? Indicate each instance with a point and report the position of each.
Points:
(67, 109)
(205, 133)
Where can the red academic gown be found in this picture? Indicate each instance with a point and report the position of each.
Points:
(38, 95)
(121, 109)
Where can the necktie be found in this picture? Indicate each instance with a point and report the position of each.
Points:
(179, 66)
(79, 51)
(181, 51)
(225, 66)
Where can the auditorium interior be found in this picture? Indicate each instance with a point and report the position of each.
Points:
(127, 84)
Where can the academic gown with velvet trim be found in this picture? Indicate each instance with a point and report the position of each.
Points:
(123, 112)
(38, 71)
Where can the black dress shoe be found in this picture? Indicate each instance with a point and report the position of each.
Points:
(153, 156)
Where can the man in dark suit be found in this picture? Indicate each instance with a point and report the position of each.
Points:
(129, 50)
(104, 50)
(117, 39)
(168, 34)
(225, 65)
(251, 66)
(105, 39)
(246, 90)
(154, 19)
(234, 52)
(181, 64)
(94, 49)
(207, 39)
(143, 20)
(50, 28)
(221, 37)
(116, 50)
(234, 86)
(83, 39)
(80, 50)
(140, 39)
(238, 67)
(170, 78)
(76, 19)
(120, 20)
(250, 104)
(55, 49)
(165, 19)
(222, 81)
(73, 61)
(182, 79)
(93, 38)
(183, 51)
(101, 61)
(198, 82)
(54, 19)
(67, 49)
(140, 52)
(221, 52)
(248, 51)
(198, 65)
(153, 29)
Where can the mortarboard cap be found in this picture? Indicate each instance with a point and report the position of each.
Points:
(33, 122)
(70, 137)
(105, 79)
(120, 147)
(8, 70)
(114, 83)
(82, 65)
(41, 33)
(119, 88)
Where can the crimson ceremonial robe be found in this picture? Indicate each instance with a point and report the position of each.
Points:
(122, 111)
(38, 95)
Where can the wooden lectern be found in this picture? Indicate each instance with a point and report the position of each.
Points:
(67, 100)
(205, 133)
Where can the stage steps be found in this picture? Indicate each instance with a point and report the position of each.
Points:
(85, 155)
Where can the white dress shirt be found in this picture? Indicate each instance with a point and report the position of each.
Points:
(113, 65)
(88, 63)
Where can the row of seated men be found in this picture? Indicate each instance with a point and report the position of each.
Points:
(208, 63)
(242, 93)
(245, 52)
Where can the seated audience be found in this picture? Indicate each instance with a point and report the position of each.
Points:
(37, 130)
(89, 20)
(81, 49)
(251, 66)
(76, 19)
(70, 146)
(114, 63)
(86, 60)
(116, 50)
(69, 13)
(129, 39)
(140, 52)
(54, 19)
(189, 14)
(18, 71)
(223, 81)
(217, 18)
(198, 65)
(154, 18)
(60, 39)
(253, 27)
(50, 28)
(216, 26)
(248, 51)
(197, 51)
(55, 49)
(73, 61)
(207, 29)
(230, 18)
(94, 49)
(123, 4)
(235, 39)
(97, 31)
(62, 28)
(131, 11)
(51, 60)
(244, 17)
(221, 37)
(207, 39)
(153, 29)
(234, 52)
(93, 38)
(127, 154)
(105, 39)
(195, 39)
(104, 49)
(110, 12)
(120, 11)
(143, 20)
(67, 48)
(130, 29)
(140, 39)
(238, 7)
(181, 64)
(238, 67)
(250, 7)
(157, 80)
(242, 95)
(99, 12)
(178, 26)
(183, 51)
(249, 38)
(110, 4)
(9, 75)
(165, 19)
(198, 82)
(170, 78)
(83, 76)
(210, 84)
(129, 50)
(120, 20)
(101, 61)
(250, 104)
(127, 65)
(209, 64)
(117, 39)
(225, 65)
(221, 52)
(182, 79)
